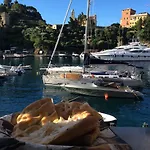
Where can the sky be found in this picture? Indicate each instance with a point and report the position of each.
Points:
(107, 11)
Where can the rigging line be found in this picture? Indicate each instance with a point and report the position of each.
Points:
(86, 30)
(92, 7)
(60, 33)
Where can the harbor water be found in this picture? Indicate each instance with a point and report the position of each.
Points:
(19, 91)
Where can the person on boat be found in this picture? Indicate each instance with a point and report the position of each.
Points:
(86, 61)
(87, 58)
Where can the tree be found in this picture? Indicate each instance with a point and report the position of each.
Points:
(2, 8)
(139, 24)
(73, 23)
(81, 19)
(7, 3)
(145, 32)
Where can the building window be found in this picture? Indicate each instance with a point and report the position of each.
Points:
(127, 13)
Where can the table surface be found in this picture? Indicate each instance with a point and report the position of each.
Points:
(138, 138)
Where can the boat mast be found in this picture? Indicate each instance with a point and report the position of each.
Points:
(86, 30)
(49, 65)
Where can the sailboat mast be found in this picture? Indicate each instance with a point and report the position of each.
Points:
(86, 34)
(86, 28)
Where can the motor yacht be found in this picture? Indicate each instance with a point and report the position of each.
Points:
(131, 52)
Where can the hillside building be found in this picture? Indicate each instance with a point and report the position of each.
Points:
(73, 14)
(92, 21)
(130, 18)
(4, 19)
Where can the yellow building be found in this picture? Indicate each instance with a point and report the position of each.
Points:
(130, 18)
(136, 17)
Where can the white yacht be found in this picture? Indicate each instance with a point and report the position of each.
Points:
(132, 52)
(75, 54)
(62, 54)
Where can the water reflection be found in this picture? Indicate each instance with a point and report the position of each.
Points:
(19, 91)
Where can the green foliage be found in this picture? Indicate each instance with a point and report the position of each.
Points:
(81, 18)
(139, 24)
(144, 34)
(3, 8)
(7, 3)
(28, 30)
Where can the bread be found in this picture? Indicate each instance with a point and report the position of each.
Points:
(64, 131)
(49, 118)
(33, 114)
(63, 110)
(14, 118)
(101, 147)
(86, 139)
(43, 122)
(41, 107)
(72, 130)
(66, 109)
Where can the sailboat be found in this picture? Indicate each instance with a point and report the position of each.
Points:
(55, 76)
(72, 78)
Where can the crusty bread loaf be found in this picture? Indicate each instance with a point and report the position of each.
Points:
(14, 118)
(64, 131)
(86, 139)
(45, 123)
(87, 107)
(72, 130)
(49, 118)
(37, 104)
(63, 109)
(66, 109)
(101, 147)
(41, 107)
(33, 114)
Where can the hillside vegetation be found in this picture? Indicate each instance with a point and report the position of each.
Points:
(28, 30)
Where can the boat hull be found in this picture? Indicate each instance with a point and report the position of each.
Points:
(123, 58)
(56, 80)
(101, 91)
(134, 83)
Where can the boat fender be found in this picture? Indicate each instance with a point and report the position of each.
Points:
(93, 76)
(106, 96)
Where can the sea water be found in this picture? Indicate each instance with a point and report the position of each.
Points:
(19, 91)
